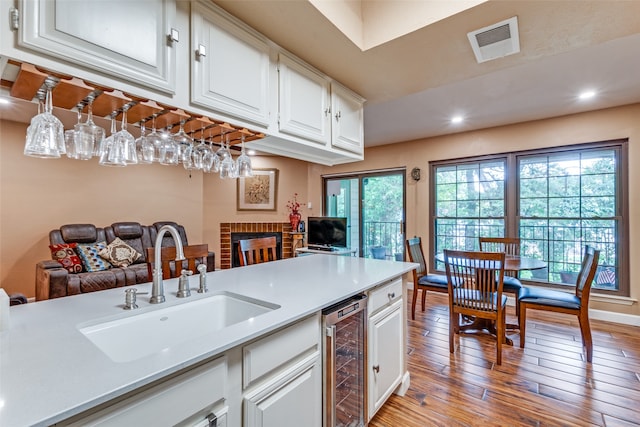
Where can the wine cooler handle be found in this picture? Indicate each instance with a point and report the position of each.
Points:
(331, 358)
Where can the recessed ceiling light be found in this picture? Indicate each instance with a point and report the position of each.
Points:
(457, 119)
(4, 101)
(587, 94)
(251, 152)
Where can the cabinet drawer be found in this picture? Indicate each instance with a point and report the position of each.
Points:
(272, 352)
(176, 401)
(385, 295)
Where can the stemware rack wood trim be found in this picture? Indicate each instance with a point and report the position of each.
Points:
(73, 93)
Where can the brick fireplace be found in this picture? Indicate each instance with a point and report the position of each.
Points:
(227, 228)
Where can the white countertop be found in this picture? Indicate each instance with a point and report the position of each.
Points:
(49, 371)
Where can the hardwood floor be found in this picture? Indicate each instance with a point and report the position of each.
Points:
(548, 383)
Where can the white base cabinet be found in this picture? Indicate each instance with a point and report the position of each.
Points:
(190, 399)
(291, 399)
(386, 343)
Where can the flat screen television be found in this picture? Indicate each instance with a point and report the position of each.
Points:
(326, 232)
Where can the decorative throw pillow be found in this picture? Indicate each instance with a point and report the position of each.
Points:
(90, 256)
(64, 253)
(119, 253)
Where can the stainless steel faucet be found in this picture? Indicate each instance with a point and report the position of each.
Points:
(157, 290)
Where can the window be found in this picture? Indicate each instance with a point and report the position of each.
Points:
(469, 203)
(555, 200)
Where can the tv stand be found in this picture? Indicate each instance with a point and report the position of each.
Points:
(327, 251)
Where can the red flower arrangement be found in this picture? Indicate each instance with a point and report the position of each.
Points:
(293, 205)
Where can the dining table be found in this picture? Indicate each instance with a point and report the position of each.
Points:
(511, 263)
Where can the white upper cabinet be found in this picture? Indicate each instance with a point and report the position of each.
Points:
(304, 101)
(230, 71)
(131, 40)
(347, 121)
(314, 107)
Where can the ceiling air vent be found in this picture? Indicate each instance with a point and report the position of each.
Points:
(495, 41)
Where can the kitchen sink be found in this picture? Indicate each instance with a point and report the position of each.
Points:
(130, 338)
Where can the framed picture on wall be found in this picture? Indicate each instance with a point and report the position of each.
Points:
(259, 192)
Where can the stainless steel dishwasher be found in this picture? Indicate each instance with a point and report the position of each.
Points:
(345, 358)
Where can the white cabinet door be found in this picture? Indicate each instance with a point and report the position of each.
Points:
(128, 39)
(230, 71)
(293, 398)
(386, 352)
(347, 122)
(304, 101)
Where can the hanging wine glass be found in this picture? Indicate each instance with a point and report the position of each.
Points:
(127, 140)
(243, 162)
(154, 140)
(168, 149)
(185, 145)
(207, 156)
(144, 149)
(45, 135)
(88, 135)
(112, 150)
(202, 155)
(70, 137)
(227, 165)
(222, 153)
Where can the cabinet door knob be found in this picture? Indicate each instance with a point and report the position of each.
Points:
(392, 295)
(173, 36)
(376, 368)
(338, 115)
(327, 111)
(201, 52)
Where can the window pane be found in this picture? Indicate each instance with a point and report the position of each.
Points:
(533, 187)
(469, 203)
(582, 205)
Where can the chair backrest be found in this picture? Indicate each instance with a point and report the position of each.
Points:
(256, 251)
(508, 245)
(478, 279)
(414, 250)
(193, 255)
(586, 275)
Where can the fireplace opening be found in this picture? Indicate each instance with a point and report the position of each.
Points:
(236, 237)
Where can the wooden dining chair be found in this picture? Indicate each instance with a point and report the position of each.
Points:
(475, 284)
(193, 256)
(576, 303)
(510, 246)
(256, 251)
(422, 280)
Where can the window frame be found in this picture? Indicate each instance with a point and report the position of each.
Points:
(512, 190)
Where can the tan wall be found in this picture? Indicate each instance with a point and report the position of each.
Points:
(220, 196)
(38, 195)
(622, 122)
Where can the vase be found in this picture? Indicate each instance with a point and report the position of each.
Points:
(294, 219)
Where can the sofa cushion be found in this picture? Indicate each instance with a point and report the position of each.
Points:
(120, 254)
(90, 256)
(66, 255)
(80, 233)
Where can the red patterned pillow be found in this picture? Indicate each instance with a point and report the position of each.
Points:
(65, 254)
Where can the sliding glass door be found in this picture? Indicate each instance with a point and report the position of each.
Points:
(374, 205)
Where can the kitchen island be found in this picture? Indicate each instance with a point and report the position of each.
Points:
(50, 371)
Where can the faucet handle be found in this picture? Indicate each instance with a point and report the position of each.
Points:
(130, 298)
(183, 284)
(202, 269)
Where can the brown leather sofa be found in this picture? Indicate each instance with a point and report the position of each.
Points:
(54, 281)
